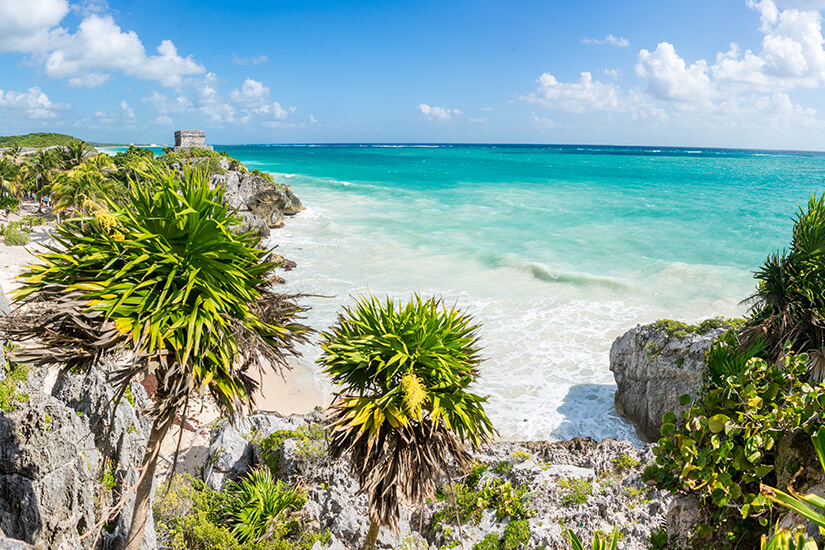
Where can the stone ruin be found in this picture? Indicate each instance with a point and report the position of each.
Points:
(184, 139)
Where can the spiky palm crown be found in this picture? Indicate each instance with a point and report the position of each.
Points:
(789, 303)
(403, 408)
(165, 278)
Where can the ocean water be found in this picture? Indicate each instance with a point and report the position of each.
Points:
(555, 250)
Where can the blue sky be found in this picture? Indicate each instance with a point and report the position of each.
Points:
(725, 73)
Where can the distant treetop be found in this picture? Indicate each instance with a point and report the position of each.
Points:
(40, 139)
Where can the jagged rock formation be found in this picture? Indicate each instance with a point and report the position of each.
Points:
(610, 473)
(253, 194)
(52, 462)
(653, 366)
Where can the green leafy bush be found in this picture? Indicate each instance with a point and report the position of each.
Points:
(15, 237)
(258, 506)
(725, 444)
(190, 516)
(516, 535)
(577, 491)
(312, 445)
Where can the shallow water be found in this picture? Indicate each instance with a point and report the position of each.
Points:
(556, 251)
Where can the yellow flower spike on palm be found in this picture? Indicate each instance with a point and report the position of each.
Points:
(414, 394)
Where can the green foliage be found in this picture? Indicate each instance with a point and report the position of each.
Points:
(577, 491)
(109, 479)
(258, 505)
(599, 542)
(808, 506)
(189, 516)
(678, 329)
(10, 202)
(129, 396)
(40, 139)
(312, 445)
(15, 237)
(490, 542)
(503, 467)
(785, 540)
(516, 535)
(412, 360)
(789, 303)
(520, 456)
(725, 444)
(508, 502)
(626, 462)
(659, 539)
(264, 175)
(16, 375)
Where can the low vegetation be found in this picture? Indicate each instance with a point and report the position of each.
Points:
(41, 139)
(256, 513)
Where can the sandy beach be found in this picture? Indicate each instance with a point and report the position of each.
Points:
(291, 392)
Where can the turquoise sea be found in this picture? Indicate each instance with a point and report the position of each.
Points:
(555, 250)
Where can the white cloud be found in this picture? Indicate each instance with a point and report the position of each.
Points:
(486, 109)
(254, 60)
(608, 40)
(163, 120)
(252, 93)
(100, 45)
(478, 120)
(577, 97)
(162, 105)
(669, 77)
(25, 25)
(33, 103)
(791, 56)
(439, 114)
(542, 123)
(613, 73)
(126, 110)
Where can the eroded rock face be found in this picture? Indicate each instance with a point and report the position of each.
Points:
(610, 474)
(652, 369)
(258, 196)
(51, 459)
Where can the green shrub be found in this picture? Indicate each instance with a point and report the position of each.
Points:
(258, 504)
(725, 444)
(490, 542)
(312, 445)
(577, 491)
(16, 374)
(516, 535)
(15, 237)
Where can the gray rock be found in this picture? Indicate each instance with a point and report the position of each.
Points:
(11, 544)
(251, 222)
(652, 369)
(250, 193)
(232, 451)
(51, 457)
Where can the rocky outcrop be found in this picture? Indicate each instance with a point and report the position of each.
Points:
(52, 462)
(653, 365)
(256, 195)
(607, 475)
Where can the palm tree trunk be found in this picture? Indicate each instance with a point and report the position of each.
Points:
(144, 489)
(372, 535)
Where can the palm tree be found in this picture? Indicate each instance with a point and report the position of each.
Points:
(789, 304)
(41, 166)
(404, 408)
(165, 279)
(82, 189)
(72, 155)
(9, 177)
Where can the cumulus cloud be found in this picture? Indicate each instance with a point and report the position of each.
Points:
(542, 123)
(577, 97)
(164, 106)
(126, 110)
(669, 77)
(33, 103)
(254, 60)
(791, 55)
(252, 92)
(100, 45)
(25, 26)
(608, 40)
(438, 114)
(478, 120)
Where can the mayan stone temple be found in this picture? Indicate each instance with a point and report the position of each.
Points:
(185, 139)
